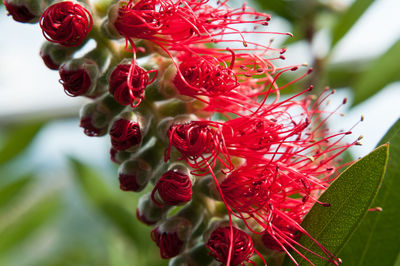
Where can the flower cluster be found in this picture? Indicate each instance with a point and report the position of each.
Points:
(235, 168)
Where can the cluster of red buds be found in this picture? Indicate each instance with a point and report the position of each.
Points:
(192, 107)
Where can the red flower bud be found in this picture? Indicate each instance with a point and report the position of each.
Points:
(174, 188)
(134, 175)
(124, 93)
(48, 61)
(125, 134)
(20, 12)
(142, 218)
(171, 235)
(90, 129)
(76, 82)
(219, 242)
(66, 23)
(169, 243)
(148, 212)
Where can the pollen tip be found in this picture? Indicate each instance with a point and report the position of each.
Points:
(309, 70)
(344, 100)
(362, 118)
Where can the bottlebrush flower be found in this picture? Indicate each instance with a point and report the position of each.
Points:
(173, 24)
(204, 76)
(219, 245)
(66, 23)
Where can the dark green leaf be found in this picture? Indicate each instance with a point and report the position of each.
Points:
(350, 197)
(12, 190)
(376, 241)
(17, 140)
(26, 224)
(382, 72)
(348, 19)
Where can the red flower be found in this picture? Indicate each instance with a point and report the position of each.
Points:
(204, 76)
(137, 20)
(66, 23)
(125, 134)
(220, 240)
(125, 91)
(19, 12)
(174, 188)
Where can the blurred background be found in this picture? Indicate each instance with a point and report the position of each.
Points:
(59, 198)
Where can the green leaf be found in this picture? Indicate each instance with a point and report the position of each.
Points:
(12, 190)
(376, 241)
(106, 203)
(348, 19)
(350, 197)
(88, 179)
(26, 224)
(17, 140)
(382, 72)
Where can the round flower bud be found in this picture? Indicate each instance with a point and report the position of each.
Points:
(24, 11)
(127, 131)
(79, 76)
(66, 23)
(171, 235)
(94, 123)
(149, 213)
(53, 55)
(124, 93)
(219, 241)
(173, 188)
(134, 175)
(96, 116)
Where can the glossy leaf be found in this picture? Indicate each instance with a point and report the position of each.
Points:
(13, 233)
(350, 197)
(17, 140)
(382, 72)
(348, 19)
(376, 241)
